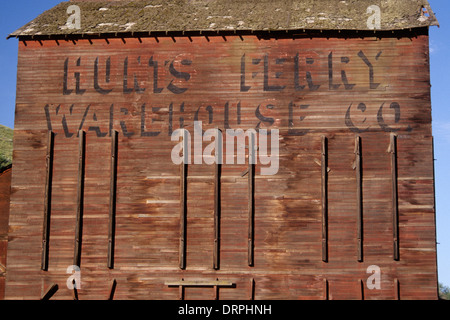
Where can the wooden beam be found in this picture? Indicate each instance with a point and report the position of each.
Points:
(80, 198)
(252, 289)
(112, 290)
(47, 201)
(216, 292)
(50, 292)
(394, 179)
(183, 215)
(359, 198)
(324, 199)
(251, 213)
(396, 289)
(74, 290)
(112, 199)
(361, 289)
(215, 284)
(251, 200)
(216, 253)
(181, 292)
(326, 290)
(199, 283)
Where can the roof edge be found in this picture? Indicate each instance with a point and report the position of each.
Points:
(305, 33)
(151, 16)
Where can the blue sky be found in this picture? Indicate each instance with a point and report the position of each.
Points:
(440, 98)
(14, 14)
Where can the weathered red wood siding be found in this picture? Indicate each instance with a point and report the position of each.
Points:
(5, 193)
(391, 94)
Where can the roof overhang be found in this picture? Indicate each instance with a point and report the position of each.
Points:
(236, 16)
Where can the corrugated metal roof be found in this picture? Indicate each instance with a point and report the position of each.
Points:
(98, 17)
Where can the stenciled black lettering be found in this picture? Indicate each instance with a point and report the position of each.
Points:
(297, 85)
(361, 54)
(244, 87)
(97, 129)
(143, 127)
(67, 133)
(154, 64)
(123, 126)
(64, 122)
(269, 120)
(348, 121)
(291, 130)
(136, 86)
(226, 122)
(309, 80)
(107, 76)
(78, 89)
(181, 119)
(210, 114)
(66, 91)
(47, 118)
(347, 85)
(179, 75)
(268, 87)
(170, 119)
(77, 75)
(111, 119)
(331, 85)
(83, 119)
(125, 77)
(381, 122)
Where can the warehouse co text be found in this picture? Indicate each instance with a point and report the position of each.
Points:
(166, 83)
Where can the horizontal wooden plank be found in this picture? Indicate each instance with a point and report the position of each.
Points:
(199, 283)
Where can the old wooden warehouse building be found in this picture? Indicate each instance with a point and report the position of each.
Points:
(335, 200)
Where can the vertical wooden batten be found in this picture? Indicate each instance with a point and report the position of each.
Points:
(74, 290)
(50, 292)
(183, 215)
(112, 290)
(80, 197)
(47, 201)
(215, 284)
(216, 292)
(216, 253)
(359, 198)
(324, 199)
(393, 152)
(251, 213)
(361, 289)
(251, 199)
(252, 289)
(112, 199)
(396, 289)
(326, 289)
